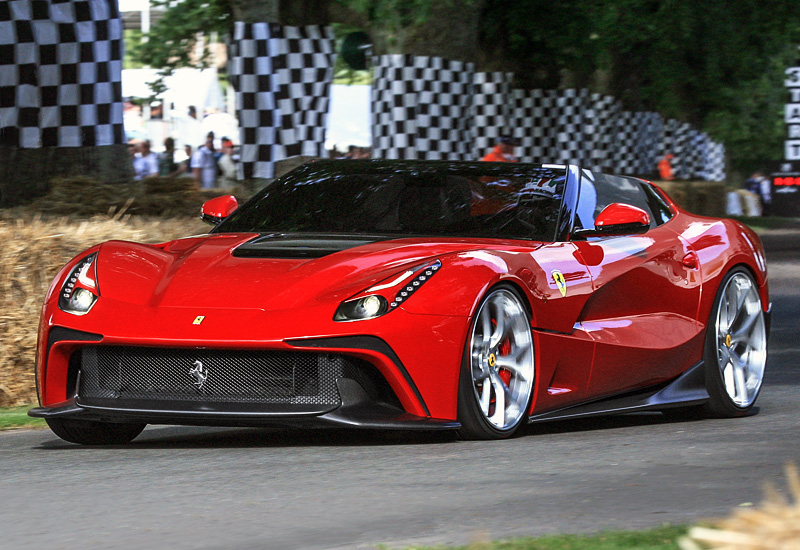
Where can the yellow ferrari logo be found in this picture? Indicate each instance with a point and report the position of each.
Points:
(561, 283)
(198, 319)
(728, 340)
(492, 360)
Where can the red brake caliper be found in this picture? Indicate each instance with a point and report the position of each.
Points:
(505, 374)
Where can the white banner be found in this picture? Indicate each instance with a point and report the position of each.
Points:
(794, 131)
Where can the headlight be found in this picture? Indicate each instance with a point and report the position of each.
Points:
(368, 307)
(387, 295)
(79, 292)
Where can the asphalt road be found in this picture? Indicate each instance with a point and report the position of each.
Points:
(193, 488)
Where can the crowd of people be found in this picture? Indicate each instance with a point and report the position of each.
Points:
(209, 166)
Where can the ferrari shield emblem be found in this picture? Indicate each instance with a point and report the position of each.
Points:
(198, 319)
(561, 283)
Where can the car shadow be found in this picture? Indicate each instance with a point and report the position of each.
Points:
(185, 437)
(191, 437)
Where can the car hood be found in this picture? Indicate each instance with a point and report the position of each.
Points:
(272, 272)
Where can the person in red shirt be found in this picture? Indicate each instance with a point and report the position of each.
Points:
(665, 168)
(503, 151)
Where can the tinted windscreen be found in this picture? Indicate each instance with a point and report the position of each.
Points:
(399, 198)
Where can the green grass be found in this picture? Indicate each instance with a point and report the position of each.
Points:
(661, 538)
(17, 417)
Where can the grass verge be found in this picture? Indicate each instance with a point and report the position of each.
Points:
(17, 417)
(661, 538)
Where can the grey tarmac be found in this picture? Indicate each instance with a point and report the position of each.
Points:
(207, 488)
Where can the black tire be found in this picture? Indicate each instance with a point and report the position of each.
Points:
(87, 432)
(483, 360)
(734, 355)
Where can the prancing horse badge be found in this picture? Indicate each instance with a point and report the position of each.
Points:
(199, 374)
(561, 283)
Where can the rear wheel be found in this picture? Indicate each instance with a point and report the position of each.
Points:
(736, 346)
(497, 373)
(87, 432)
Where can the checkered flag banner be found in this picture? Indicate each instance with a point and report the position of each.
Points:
(490, 111)
(60, 73)
(422, 108)
(282, 76)
(428, 108)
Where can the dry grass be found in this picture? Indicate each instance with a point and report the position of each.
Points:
(34, 249)
(76, 213)
(774, 526)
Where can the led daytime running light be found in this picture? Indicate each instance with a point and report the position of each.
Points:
(414, 284)
(79, 292)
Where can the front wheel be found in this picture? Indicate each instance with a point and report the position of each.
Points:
(87, 432)
(497, 373)
(736, 346)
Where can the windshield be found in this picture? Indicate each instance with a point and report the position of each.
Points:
(401, 198)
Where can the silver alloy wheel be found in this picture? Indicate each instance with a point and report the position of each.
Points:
(501, 360)
(741, 340)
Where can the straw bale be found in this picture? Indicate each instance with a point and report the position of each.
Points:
(76, 213)
(34, 249)
(707, 198)
(83, 196)
(773, 526)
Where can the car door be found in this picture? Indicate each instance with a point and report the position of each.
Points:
(646, 290)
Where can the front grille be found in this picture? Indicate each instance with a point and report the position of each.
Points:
(207, 375)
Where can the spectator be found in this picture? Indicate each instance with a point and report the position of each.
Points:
(227, 166)
(204, 165)
(352, 152)
(503, 151)
(166, 161)
(665, 168)
(761, 187)
(145, 162)
(186, 165)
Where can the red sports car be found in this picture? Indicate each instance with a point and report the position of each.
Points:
(475, 297)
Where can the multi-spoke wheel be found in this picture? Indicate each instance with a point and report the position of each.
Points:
(736, 346)
(497, 375)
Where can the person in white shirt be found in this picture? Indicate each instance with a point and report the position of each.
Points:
(204, 165)
(145, 162)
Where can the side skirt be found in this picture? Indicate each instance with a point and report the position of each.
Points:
(686, 390)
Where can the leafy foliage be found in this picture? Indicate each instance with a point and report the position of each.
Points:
(717, 64)
(173, 40)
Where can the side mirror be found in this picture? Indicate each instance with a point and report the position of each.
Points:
(618, 219)
(216, 210)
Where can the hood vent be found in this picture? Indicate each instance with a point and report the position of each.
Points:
(301, 246)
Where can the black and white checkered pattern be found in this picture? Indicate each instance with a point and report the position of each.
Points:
(422, 108)
(60, 73)
(491, 110)
(282, 76)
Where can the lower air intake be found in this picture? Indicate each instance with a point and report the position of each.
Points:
(221, 376)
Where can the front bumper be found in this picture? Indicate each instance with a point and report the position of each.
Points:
(357, 409)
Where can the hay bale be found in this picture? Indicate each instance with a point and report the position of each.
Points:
(775, 526)
(675, 190)
(35, 248)
(706, 198)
